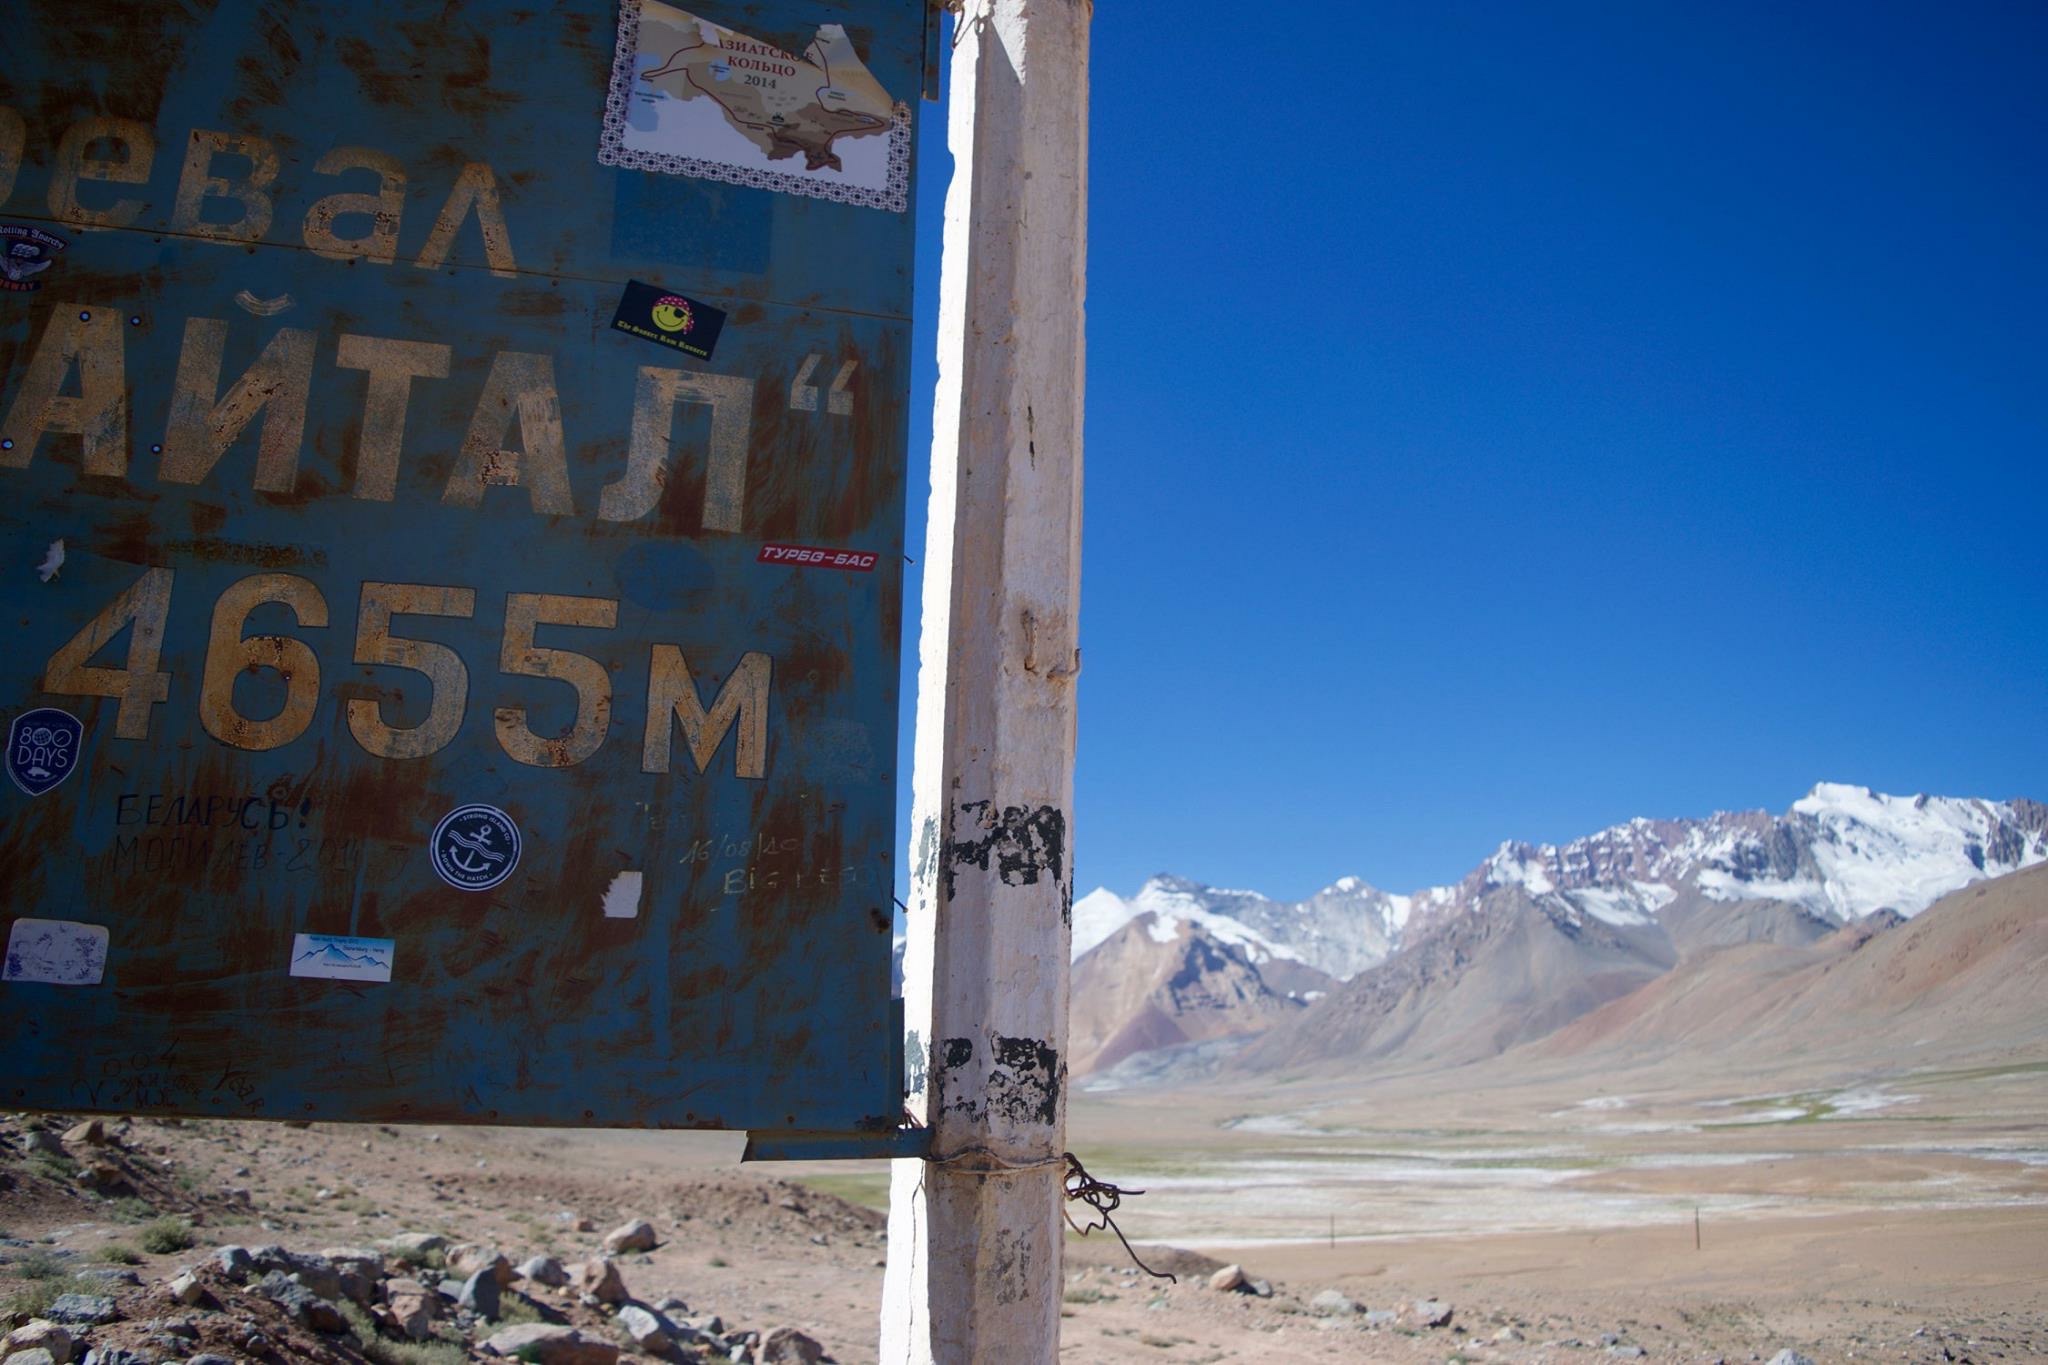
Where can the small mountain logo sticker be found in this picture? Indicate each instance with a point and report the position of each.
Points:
(339, 958)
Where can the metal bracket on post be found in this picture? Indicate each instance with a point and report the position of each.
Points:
(794, 1145)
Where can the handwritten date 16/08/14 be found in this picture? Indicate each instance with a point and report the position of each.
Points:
(740, 706)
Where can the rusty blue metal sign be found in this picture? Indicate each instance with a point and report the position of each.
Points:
(451, 505)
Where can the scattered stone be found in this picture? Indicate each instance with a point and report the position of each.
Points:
(93, 1133)
(601, 1281)
(110, 1275)
(787, 1346)
(1332, 1304)
(1788, 1356)
(548, 1344)
(208, 1358)
(1380, 1317)
(1431, 1313)
(469, 1258)
(637, 1235)
(1262, 1288)
(416, 1244)
(39, 1334)
(356, 1260)
(316, 1273)
(544, 1270)
(671, 1304)
(186, 1289)
(304, 1306)
(1230, 1279)
(100, 1174)
(1627, 1352)
(412, 1306)
(35, 1355)
(648, 1331)
(82, 1310)
(36, 1140)
(1506, 1335)
(480, 1293)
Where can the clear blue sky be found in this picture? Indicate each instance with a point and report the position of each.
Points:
(1504, 420)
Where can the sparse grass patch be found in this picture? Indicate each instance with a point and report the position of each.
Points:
(514, 1309)
(1086, 1294)
(164, 1236)
(129, 1209)
(50, 1166)
(39, 1265)
(717, 1263)
(34, 1297)
(436, 1351)
(120, 1253)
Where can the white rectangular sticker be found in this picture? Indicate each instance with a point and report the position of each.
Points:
(56, 951)
(340, 958)
(692, 97)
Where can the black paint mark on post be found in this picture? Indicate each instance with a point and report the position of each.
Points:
(1024, 1082)
(1018, 843)
(959, 1052)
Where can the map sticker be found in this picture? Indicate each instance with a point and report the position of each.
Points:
(337, 957)
(667, 319)
(690, 97)
(57, 952)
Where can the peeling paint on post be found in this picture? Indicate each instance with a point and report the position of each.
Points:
(369, 517)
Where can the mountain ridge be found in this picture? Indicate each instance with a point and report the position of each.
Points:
(1532, 939)
(1841, 852)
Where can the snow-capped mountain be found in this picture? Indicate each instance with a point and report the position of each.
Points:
(1841, 852)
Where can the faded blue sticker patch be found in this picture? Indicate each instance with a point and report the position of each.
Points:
(57, 952)
(340, 958)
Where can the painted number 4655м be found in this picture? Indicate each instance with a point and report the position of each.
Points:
(673, 702)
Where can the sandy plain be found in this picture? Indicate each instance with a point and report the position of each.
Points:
(1900, 1214)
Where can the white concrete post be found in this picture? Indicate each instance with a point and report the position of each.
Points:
(975, 1233)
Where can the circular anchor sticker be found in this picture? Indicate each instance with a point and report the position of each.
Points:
(475, 847)
(42, 748)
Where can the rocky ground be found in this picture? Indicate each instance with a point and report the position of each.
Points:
(127, 1242)
(130, 1241)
